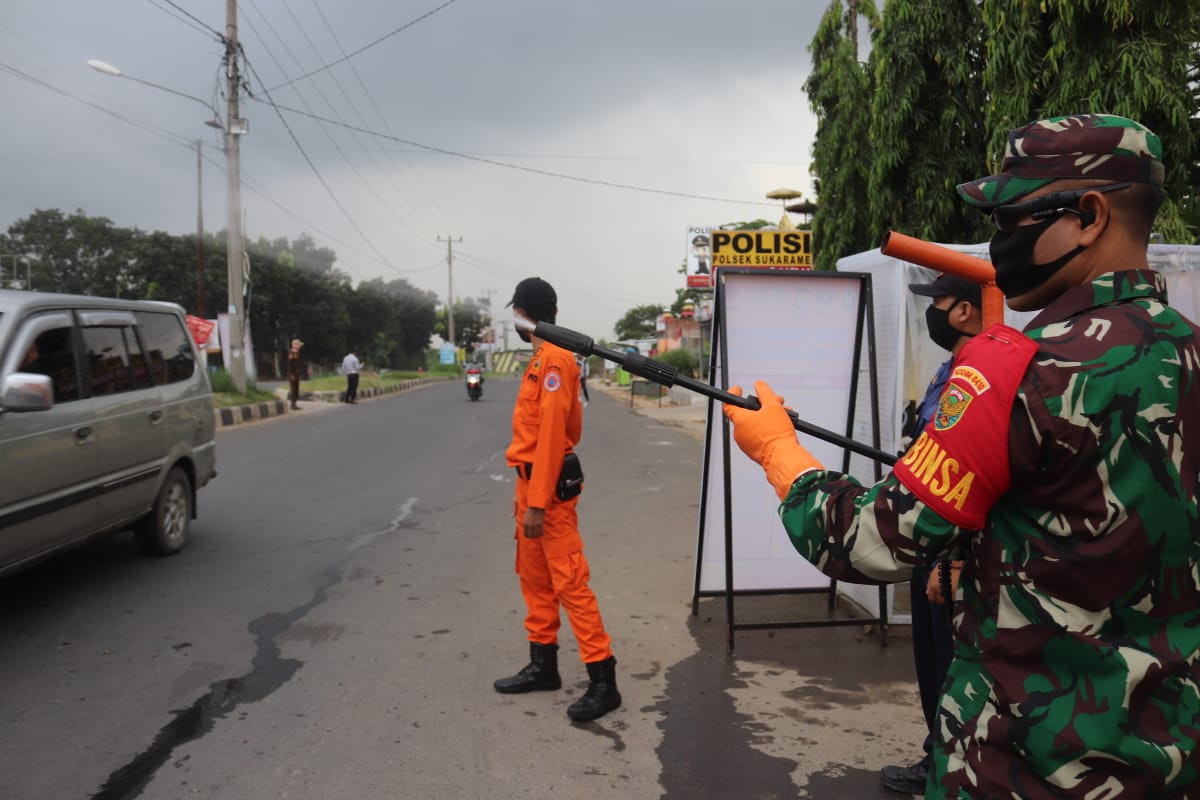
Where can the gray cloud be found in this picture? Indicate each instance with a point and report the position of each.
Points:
(698, 98)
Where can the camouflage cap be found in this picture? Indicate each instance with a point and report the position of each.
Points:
(1100, 146)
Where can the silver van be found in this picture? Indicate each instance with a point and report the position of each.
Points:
(106, 423)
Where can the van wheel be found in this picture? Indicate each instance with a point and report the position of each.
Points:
(164, 530)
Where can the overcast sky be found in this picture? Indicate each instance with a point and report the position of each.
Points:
(690, 98)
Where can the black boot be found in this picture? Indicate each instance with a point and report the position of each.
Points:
(539, 675)
(601, 696)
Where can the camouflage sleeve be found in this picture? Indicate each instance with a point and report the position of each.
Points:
(858, 534)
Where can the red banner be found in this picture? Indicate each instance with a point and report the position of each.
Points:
(200, 329)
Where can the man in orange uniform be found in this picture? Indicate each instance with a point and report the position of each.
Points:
(547, 423)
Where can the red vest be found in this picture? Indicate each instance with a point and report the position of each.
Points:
(959, 465)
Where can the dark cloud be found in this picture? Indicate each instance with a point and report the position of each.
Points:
(692, 97)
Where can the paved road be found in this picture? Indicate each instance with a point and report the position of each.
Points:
(333, 629)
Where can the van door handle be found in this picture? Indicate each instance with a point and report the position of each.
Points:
(83, 434)
(156, 416)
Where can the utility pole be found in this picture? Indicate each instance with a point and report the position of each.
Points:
(450, 270)
(235, 126)
(487, 354)
(199, 234)
(15, 280)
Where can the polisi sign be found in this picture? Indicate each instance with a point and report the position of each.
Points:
(792, 249)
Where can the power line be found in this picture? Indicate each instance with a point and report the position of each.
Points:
(193, 22)
(187, 142)
(347, 57)
(513, 274)
(371, 98)
(161, 132)
(317, 172)
(534, 170)
(336, 145)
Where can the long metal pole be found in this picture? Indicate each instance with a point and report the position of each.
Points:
(233, 191)
(199, 233)
(664, 374)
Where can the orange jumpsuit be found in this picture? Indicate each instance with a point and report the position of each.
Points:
(547, 423)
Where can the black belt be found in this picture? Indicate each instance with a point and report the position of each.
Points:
(524, 469)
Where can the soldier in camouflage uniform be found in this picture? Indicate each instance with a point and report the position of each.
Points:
(1062, 464)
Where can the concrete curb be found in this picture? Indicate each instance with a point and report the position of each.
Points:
(236, 415)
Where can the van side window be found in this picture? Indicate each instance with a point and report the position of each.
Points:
(52, 354)
(168, 349)
(108, 360)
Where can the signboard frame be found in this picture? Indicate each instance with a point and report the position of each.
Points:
(759, 575)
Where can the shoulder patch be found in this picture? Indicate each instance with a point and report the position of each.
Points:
(972, 377)
(552, 381)
(951, 407)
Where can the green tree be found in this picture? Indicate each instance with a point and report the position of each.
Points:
(163, 267)
(470, 318)
(1128, 57)
(374, 326)
(294, 289)
(839, 91)
(683, 360)
(302, 253)
(74, 254)
(749, 225)
(413, 319)
(287, 301)
(926, 130)
(638, 323)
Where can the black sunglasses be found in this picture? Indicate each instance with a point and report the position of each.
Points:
(1055, 204)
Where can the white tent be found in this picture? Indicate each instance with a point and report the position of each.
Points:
(906, 359)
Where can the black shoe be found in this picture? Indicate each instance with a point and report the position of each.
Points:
(539, 675)
(910, 780)
(601, 696)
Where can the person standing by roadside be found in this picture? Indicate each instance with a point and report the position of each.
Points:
(584, 371)
(547, 423)
(954, 316)
(295, 371)
(351, 366)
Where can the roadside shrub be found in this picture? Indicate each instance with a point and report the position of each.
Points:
(682, 360)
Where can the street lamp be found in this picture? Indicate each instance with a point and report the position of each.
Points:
(234, 254)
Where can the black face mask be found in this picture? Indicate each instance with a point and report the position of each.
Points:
(943, 334)
(1012, 256)
(524, 334)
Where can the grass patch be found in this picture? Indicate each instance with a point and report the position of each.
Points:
(337, 383)
(225, 396)
(252, 395)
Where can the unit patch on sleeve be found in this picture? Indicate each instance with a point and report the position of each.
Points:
(552, 381)
(951, 407)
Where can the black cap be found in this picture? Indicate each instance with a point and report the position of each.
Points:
(952, 285)
(536, 298)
